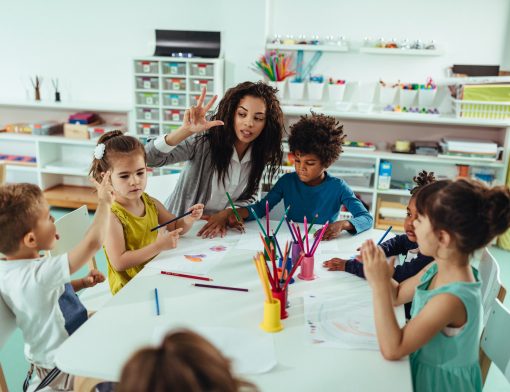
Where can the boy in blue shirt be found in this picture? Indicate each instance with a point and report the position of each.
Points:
(316, 142)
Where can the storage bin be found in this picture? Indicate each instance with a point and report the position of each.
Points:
(147, 83)
(281, 87)
(296, 91)
(426, 98)
(407, 98)
(147, 114)
(147, 129)
(201, 69)
(175, 84)
(174, 100)
(355, 172)
(366, 92)
(198, 84)
(315, 91)
(336, 92)
(387, 95)
(167, 128)
(173, 115)
(481, 109)
(147, 99)
(146, 67)
(174, 68)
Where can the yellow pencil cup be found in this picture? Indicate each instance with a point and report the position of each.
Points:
(271, 321)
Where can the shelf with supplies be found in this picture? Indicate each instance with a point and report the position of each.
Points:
(60, 167)
(309, 48)
(402, 52)
(165, 86)
(390, 189)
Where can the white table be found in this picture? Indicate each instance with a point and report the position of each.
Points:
(103, 344)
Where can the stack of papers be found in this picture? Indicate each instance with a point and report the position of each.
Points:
(470, 147)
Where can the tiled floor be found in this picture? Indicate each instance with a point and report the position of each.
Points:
(15, 366)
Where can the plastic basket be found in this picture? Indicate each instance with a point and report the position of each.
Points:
(481, 109)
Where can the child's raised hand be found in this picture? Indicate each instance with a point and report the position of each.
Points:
(335, 264)
(376, 267)
(195, 117)
(167, 239)
(104, 189)
(94, 277)
(197, 211)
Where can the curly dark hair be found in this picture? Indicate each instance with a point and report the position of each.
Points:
(467, 209)
(423, 178)
(317, 134)
(266, 149)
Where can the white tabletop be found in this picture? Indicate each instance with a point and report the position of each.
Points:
(127, 322)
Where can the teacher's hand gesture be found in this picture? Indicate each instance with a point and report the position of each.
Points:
(195, 117)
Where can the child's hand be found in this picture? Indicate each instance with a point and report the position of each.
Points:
(104, 189)
(333, 231)
(195, 117)
(216, 225)
(234, 223)
(335, 264)
(376, 267)
(94, 277)
(167, 239)
(198, 210)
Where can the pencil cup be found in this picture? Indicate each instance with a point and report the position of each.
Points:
(282, 297)
(271, 321)
(336, 93)
(296, 91)
(269, 240)
(426, 98)
(281, 86)
(296, 250)
(387, 95)
(287, 269)
(307, 268)
(315, 91)
(407, 98)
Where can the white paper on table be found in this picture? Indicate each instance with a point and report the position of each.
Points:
(195, 256)
(341, 321)
(251, 351)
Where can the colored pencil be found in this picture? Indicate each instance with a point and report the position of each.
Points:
(267, 217)
(263, 278)
(210, 286)
(290, 229)
(233, 208)
(185, 275)
(281, 220)
(273, 285)
(306, 235)
(284, 261)
(277, 245)
(172, 220)
(157, 301)
(384, 235)
(257, 218)
(275, 269)
(311, 225)
(319, 238)
(289, 277)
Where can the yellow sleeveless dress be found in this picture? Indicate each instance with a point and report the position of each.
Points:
(137, 234)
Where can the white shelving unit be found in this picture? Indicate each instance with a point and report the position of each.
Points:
(309, 48)
(164, 87)
(402, 52)
(382, 127)
(61, 167)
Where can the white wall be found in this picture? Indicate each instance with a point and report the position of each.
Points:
(90, 45)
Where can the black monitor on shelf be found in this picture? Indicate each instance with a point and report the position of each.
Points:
(182, 43)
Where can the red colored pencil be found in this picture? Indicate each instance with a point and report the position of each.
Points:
(185, 275)
(219, 287)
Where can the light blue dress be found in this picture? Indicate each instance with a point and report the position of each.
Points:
(449, 363)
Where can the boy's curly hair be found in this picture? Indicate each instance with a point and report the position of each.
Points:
(423, 178)
(317, 134)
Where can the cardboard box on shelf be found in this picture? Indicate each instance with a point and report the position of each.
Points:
(78, 131)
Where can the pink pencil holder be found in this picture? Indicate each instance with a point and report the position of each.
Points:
(282, 297)
(295, 251)
(307, 268)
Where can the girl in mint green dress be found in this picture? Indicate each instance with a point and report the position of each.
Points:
(455, 218)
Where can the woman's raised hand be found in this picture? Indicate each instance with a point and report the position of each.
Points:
(195, 117)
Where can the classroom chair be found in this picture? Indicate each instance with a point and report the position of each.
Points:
(71, 229)
(2, 173)
(7, 327)
(491, 289)
(495, 344)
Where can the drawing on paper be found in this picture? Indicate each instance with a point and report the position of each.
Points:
(195, 258)
(218, 248)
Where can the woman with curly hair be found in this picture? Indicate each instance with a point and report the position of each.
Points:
(225, 154)
(316, 142)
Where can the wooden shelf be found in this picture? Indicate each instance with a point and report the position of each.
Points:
(70, 196)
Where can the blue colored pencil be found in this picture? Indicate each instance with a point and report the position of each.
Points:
(290, 229)
(277, 245)
(384, 235)
(157, 301)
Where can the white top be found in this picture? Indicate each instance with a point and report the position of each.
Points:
(236, 178)
(46, 308)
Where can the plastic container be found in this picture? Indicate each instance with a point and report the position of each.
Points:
(147, 98)
(167, 128)
(174, 100)
(336, 93)
(282, 297)
(147, 114)
(281, 86)
(295, 252)
(271, 321)
(202, 69)
(426, 98)
(288, 268)
(175, 84)
(146, 67)
(194, 99)
(408, 98)
(481, 109)
(147, 83)
(387, 95)
(315, 91)
(198, 84)
(307, 265)
(174, 68)
(296, 91)
(176, 115)
(147, 129)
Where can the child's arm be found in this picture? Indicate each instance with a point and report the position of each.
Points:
(122, 259)
(96, 233)
(185, 223)
(94, 277)
(411, 268)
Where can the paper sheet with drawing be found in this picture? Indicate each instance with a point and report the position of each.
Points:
(342, 321)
